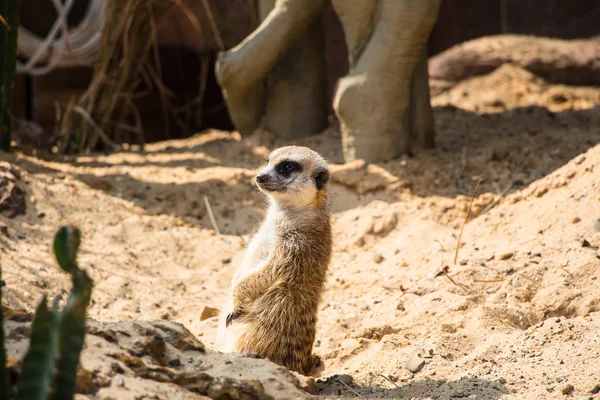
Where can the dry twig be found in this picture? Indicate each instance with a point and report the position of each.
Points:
(465, 221)
(211, 216)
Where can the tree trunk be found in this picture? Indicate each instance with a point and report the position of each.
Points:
(375, 101)
(287, 47)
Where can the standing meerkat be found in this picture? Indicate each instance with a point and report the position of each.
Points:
(275, 294)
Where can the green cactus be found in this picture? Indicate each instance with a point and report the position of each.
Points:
(50, 365)
(9, 29)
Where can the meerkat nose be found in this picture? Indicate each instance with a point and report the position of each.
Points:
(262, 178)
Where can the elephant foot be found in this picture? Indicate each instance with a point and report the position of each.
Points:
(245, 97)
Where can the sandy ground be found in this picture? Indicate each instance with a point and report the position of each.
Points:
(516, 317)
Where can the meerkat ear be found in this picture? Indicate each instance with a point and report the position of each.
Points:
(321, 178)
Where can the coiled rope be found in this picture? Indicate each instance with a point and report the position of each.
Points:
(79, 46)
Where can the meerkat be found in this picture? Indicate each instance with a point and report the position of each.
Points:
(275, 294)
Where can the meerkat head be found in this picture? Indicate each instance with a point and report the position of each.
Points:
(294, 176)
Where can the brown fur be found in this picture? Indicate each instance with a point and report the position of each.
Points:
(279, 302)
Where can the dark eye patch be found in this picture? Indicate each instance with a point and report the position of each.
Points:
(286, 168)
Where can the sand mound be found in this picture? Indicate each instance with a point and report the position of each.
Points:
(516, 317)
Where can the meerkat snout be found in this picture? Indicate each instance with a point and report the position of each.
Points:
(293, 175)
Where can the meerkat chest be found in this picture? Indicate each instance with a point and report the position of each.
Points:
(257, 253)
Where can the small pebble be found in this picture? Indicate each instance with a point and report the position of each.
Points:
(585, 243)
(377, 258)
(415, 363)
(576, 220)
(568, 389)
(579, 159)
(463, 262)
(176, 362)
(249, 354)
(595, 389)
(506, 256)
(118, 380)
(208, 312)
(514, 282)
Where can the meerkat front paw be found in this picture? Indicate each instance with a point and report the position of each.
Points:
(235, 314)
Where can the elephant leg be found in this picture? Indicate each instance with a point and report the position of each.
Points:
(296, 90)
(373, 102)
(241, 71)
(421, 121)
(356, 17)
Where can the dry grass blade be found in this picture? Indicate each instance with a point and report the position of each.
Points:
(3, 21)
(488, 280)
(389, 380)
(497, 199)
(127, 69)
(211, 216)
(213, 24)
(112, 145)
(352, 390)
(465, 221)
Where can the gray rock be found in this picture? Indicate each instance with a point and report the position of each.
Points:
(568, 389)
(415, 362)
(345, 378)
(118, 380)
(377, 258)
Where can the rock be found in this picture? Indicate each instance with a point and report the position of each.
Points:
(29, 134)
(88, 382)
(345, 378)
(362, 178)
(567, 390)
(595, 389)
(118, 380)
(385, 223)
(109, 355)
(12, 197)
(250, 354)
(377, 258)
(415, 362)
(579, 159)
(175, 362)
(506, 256)
(585, 243)
(427, 354)
(515, 282)
(576, 220)
(208, 312)
(307, 383)
(463, 262)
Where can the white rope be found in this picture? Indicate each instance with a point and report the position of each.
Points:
(77, 47)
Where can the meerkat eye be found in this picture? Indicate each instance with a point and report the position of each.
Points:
(286, 168)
